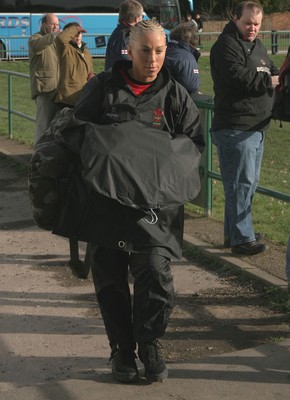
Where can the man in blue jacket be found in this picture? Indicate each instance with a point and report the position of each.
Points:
(244, 79)
(182, 55)
(130, 12)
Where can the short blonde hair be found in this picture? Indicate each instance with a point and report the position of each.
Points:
(148, 25)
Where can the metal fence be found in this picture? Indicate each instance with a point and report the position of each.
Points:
(274, 41)
(16, 47)
(204, 104)
(9, 108)
(204, 199)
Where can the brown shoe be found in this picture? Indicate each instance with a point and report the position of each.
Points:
(249, 248)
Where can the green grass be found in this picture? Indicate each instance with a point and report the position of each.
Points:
(271, 216)
(23, 129)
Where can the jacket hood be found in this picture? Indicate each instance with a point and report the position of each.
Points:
(178, 43)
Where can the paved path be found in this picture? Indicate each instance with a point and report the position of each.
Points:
(45, 313)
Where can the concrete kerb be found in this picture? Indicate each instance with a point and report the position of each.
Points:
(217, 254)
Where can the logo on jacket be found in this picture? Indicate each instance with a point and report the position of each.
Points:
(157, 117)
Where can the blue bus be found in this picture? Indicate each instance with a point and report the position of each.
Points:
(19, 19)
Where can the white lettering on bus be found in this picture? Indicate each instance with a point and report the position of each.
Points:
(14, 22)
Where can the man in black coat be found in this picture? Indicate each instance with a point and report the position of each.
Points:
(244, 79)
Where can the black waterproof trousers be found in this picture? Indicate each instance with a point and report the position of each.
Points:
(153, 295)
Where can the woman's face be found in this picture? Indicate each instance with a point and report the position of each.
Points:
(147, 54)
(78, 38)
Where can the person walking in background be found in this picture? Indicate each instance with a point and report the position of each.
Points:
(188, 18)
(181, 56)
(44, 72)
(198, 21)
(199, 25)
(244, 78)
(130, 12)
(135, 94)
(76, 64)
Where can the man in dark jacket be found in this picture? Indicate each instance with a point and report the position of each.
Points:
(181, 56)
(138, 100)
(244, 78)
(130, 12)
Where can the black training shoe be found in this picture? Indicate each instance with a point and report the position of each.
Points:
(227, 241)
(124, 368)
(249, 248)
(149, 354)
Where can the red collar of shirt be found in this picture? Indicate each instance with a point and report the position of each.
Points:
(137, 88)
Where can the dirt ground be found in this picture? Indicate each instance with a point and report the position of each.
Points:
(210, 231)
(218, 312)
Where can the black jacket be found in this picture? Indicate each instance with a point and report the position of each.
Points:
(241, 73)
(92, 217)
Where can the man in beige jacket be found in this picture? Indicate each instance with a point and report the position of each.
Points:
(44, 72)
(76, 64)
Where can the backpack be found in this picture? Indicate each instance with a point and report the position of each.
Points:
(49, 169)
(281, 103)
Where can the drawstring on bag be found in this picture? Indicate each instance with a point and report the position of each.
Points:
(153, 216)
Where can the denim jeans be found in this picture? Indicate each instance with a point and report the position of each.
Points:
(287, 269)
(240, 155)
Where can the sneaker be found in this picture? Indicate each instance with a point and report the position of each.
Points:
(227, 241)
(124, 368)
(249, 248)
(149, 354)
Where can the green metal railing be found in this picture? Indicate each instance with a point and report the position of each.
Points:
(9, 109)
(274, 41)
(204, 104)
(16, 47)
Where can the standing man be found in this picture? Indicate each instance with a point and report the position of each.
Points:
(244, 78)
(130, 12)
(76, 64)
(44, 72)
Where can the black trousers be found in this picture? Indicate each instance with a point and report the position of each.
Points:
(153, 296)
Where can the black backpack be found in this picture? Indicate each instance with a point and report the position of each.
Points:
(50, 167)
(281, 104)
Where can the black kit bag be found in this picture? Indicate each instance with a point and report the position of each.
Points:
(281, 104)
(139, 166)
(50, 167)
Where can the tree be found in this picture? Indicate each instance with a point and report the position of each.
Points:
(225, 8)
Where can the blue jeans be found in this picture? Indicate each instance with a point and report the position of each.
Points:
(287, 269)
(240, 156)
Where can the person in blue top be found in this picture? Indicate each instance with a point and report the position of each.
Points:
(181, 56)
(130, 12)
